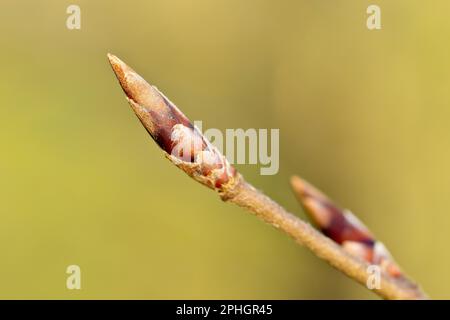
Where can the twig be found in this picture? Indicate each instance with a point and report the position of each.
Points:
(188, 149)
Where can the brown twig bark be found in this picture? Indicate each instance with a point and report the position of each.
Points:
(188, 149)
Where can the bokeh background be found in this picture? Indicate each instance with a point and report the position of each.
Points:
(364, 115)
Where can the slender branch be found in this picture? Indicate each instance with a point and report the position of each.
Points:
(188, 149)
(248, 197)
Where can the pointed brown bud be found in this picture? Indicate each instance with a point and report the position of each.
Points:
(183, 143)
(343, 227)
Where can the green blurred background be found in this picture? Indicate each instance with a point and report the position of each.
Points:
(364, 115)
